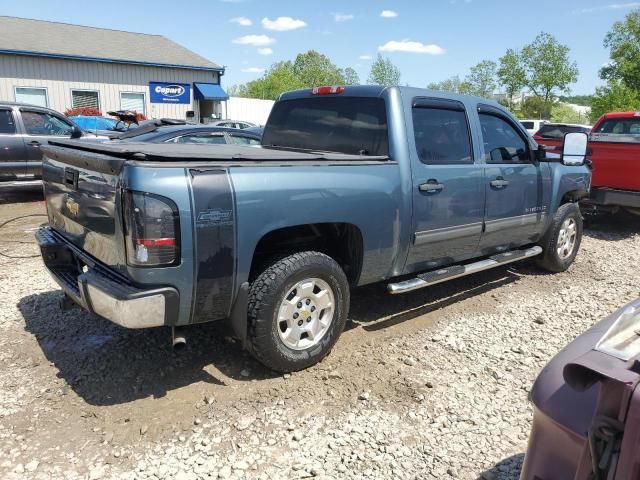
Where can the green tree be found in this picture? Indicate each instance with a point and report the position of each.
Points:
(350, 76)
(547, 68)
(623, 41)
(314, 69)
(310, 69)
(278, 79)
(535, 107)
(584, 100)
(383, 72)
(563, 113)
(615, 97)
(511, 76)
(451, 84)
(481, 80)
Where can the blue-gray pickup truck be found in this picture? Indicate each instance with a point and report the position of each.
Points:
(350, 186)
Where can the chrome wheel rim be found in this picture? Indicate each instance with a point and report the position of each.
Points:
(305, 314)
(567, 238)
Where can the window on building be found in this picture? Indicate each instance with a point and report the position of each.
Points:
(43, 123)
(442, 136)
(7, 124)
(34, 96)
(85, 99)
(132, 101)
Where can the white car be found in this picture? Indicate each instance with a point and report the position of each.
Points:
(533, 126)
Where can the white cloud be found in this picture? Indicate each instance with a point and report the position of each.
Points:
(365, 57)
(411, 47)
(611, 6)
(342, 17)
(253, 70)
(242, 21)
(255, 40)
(265, 51)
(283, 24)
(388, 14)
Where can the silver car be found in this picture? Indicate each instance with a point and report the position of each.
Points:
(231, 124)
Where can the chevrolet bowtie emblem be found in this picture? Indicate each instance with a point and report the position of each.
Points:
(72, 206)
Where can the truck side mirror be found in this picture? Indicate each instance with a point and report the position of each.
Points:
(76, 132)
(574, 151)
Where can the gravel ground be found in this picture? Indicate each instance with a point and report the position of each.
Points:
(431, 384)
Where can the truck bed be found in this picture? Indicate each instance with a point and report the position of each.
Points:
(231, 155)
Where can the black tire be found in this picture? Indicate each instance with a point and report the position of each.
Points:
(267, 292)
(551, 259)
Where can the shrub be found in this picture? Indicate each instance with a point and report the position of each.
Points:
(88, 111)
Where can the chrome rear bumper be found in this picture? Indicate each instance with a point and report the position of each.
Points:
(99, 290)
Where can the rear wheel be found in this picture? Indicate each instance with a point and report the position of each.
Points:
(297, 309)
(562, 241)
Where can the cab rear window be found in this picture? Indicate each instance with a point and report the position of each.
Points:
(350, 125)
(620, 126)
(559, 131)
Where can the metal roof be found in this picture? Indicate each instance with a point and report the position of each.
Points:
(22, 36)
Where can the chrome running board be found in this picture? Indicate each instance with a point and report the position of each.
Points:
(449, 273)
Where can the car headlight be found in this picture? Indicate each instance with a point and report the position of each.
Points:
(622, 340)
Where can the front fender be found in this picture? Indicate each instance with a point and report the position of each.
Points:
(569, 182)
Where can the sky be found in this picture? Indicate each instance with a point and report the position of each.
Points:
(429, 40)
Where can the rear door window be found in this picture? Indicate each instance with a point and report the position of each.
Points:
(442, 136)
(202, 138)
(7, 123)
(351, 125)
(243, 139)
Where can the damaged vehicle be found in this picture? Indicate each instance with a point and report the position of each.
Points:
(586, 423)
(351, 186)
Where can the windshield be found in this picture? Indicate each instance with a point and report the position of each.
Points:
(351, 125)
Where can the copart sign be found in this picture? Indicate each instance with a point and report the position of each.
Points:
(160, 92)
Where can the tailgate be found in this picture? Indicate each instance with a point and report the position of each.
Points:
(83, 201)
(616, 161)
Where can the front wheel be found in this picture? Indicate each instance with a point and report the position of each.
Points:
(297, 310)
(562, 241)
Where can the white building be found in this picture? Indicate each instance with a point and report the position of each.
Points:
(63, 66)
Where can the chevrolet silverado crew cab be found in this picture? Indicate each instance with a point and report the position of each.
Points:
(351, 186)
(615, 155)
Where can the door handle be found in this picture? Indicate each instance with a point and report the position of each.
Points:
(499, 182)
(34, 143)
(432, 186)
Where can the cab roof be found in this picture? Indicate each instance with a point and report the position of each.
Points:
(379, 90)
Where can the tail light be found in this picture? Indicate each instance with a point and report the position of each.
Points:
(152, 230)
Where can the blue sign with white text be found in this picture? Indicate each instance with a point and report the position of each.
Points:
(161, 92)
